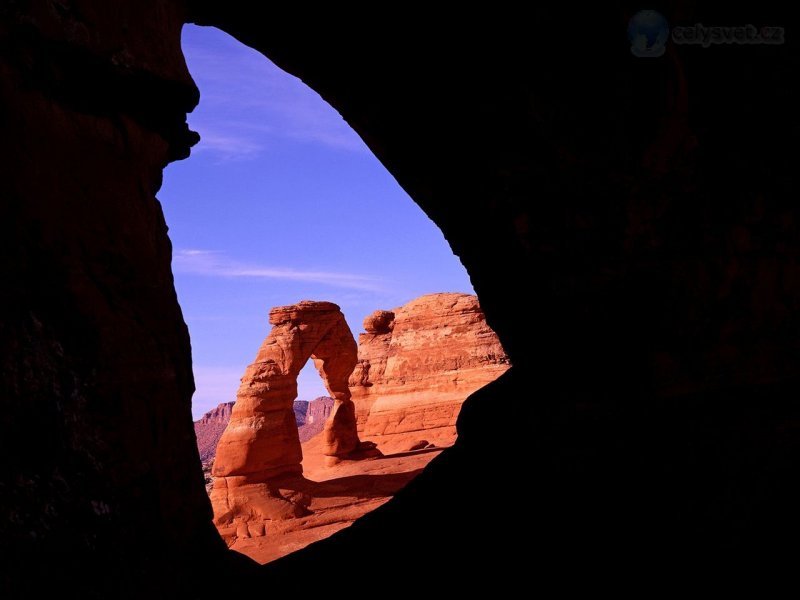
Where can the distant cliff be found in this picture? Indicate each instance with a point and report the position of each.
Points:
(209, 429)
(310, 417)
(316, 413)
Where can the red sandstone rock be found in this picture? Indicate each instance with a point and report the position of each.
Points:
(337, 496)
(417, 364)
(261, 444)
(208, 430)
(310, 416)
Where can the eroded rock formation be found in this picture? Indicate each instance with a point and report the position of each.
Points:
(261, 444)
(416, 366)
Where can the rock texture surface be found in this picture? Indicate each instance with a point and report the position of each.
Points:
(337, 495)
(316, 415)
(93, 347)
(310, 417)
(209, 428)
(416, 366)
(261, 443)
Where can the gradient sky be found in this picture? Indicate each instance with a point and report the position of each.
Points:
(280, 202)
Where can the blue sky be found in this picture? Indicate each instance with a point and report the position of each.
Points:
(280, 202)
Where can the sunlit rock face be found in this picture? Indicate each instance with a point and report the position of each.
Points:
(416, 366)
(261, 443)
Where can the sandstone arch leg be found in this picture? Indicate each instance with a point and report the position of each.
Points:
(259, 452)
(335, 362)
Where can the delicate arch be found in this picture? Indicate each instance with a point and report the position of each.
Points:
(261, 440)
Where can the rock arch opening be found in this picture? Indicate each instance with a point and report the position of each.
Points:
(397, 392)
(261, 446)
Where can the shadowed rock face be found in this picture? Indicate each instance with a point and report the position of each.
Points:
(629, 225)
(93, 348)
(261, 442)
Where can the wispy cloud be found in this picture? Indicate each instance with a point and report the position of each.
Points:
(217, 264)
(245, 99)
(228, 146)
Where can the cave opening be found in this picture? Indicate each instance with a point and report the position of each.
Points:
(281, 202)
(647, 201)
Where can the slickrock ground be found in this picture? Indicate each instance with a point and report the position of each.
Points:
(339, 495)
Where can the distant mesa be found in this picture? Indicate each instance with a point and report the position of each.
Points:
(208, 429)
(316, 414)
